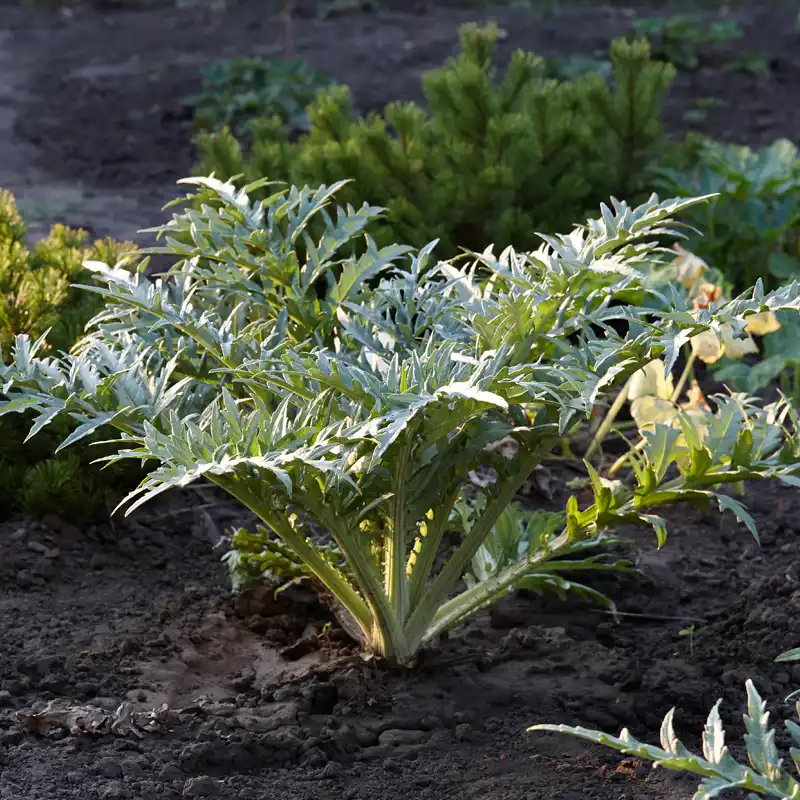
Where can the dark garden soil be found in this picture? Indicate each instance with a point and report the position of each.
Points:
(140, 612)
(259, 698)
(94, 130)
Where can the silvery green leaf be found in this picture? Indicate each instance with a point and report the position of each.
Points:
(718, 769)
(759, 738)
(728, 503)
(714, 748)
(288, 359)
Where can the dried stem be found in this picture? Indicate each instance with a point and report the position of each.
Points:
(288, 29)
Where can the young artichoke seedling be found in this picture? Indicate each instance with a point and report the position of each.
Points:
(358, 392)
(765, 774)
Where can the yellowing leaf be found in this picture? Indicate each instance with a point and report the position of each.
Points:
(689, 268)
(649, 411)
(707, 347)
(650, 382)
(763, 323)
(707, 294)
(736, 348)
(695, 400)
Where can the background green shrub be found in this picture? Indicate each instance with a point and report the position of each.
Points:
(35, 296)
(239, 90)
(750, 230)
(684, 39)
(485, 160)
(779, 365)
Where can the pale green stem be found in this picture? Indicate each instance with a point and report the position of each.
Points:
(620, 462)
(327, 573)
(608, 421)
(687, 371)
(709, 479)
(469, 602)
(421, 568)
(395, 547)
(666, 494)
(387, 638)
(627, 425)
(446, 580)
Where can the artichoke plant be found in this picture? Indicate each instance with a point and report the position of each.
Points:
(324, 381)
(765, 773)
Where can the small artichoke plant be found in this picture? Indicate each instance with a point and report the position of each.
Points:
(765, 774)
(331, 384)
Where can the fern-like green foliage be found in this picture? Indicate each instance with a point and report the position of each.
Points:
(488, 159)
(765, 773)
(36, 297)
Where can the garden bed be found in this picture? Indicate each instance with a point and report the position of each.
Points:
(140, 611)
(97, 96)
